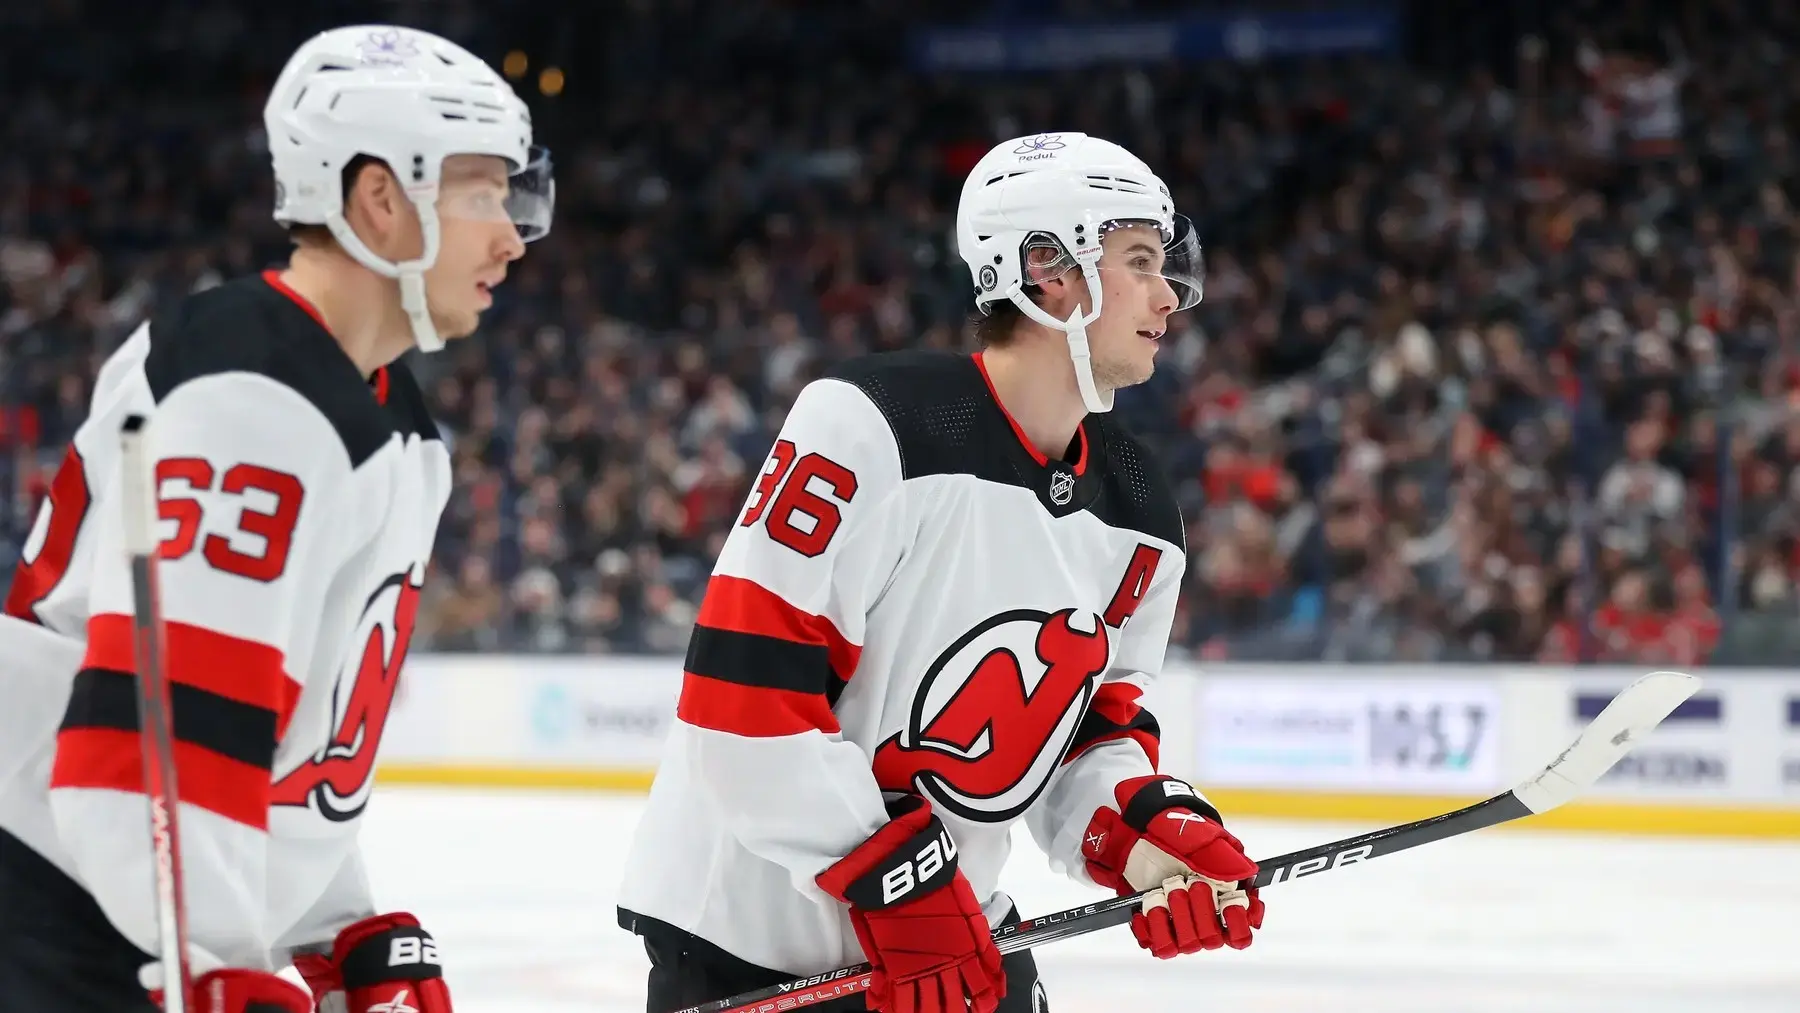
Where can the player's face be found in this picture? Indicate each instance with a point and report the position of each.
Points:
(477, 239)
(1134, 310)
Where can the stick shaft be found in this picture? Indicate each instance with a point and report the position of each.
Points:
(155, 722)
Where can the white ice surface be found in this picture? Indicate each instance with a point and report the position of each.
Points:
(519, 888)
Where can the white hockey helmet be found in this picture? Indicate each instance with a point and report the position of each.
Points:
(1066, 191)
(410, 99)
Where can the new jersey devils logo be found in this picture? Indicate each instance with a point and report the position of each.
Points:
(337, 780)
(996, 712)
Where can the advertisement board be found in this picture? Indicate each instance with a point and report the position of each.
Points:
(1369, 743)
(1790, 743)
(1247, 35)
(500, 717)
(617, 720)
(1343, 731)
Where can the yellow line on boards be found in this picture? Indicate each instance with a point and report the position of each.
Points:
(1611, 817)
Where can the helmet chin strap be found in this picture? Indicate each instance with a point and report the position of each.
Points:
(1075, 328)
(410, 273)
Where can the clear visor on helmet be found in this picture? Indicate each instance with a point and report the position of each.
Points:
(1147, 250)
(528, 201)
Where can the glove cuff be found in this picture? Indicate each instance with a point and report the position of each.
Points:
(1141, 798)
(319, 972)
(910, 856)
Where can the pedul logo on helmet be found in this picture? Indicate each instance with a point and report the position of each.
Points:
(411, 100)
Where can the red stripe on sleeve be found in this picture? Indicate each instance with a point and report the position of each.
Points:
(1117, 704)
(114, 759)
(752, 711)
(221, 664)
(744, 606)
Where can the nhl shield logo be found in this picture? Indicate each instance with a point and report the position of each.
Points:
(1062, 488)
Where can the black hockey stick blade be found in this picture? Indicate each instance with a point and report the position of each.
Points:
(1629, 717)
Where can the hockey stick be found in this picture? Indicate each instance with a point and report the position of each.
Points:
(156, 727)
(1630, 716)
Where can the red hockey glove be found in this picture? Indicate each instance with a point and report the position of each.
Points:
(384, 963)
(1165, 837)
(917, 919)
(218, 989)
(237, 990)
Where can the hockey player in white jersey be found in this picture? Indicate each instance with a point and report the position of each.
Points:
(935, 617)
(301, 482)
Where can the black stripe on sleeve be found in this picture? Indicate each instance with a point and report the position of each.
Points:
(750, 659)
(103, 698)
(1095, 727)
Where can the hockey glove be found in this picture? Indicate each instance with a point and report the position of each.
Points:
(382, 963)
(917, 918)
(1164, 837)
(220, 989)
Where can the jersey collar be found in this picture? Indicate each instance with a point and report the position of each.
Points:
(377, 383)
(1080, 443)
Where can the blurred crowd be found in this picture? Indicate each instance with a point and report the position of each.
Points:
(1496, 362)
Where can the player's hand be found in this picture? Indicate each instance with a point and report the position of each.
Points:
(220, 989)
(1163, 837)
(382, 963)
(917, 918)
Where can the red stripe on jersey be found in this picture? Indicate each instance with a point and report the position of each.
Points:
(1117, 702)
(223, 665)
(68, 505)
(273, 278)
(752, 711)
(113, 759)
(1081, 451)
(1115, 714)
(744, 606)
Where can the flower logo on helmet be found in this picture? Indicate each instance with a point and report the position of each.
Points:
(388, 46)
(1042, 142)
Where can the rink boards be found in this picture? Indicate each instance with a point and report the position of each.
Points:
(1363, 742)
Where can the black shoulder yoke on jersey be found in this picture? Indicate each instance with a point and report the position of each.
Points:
(250, 326)
(947, 422)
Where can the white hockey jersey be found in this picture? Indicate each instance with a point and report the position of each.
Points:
(299, 503)
(914, 599)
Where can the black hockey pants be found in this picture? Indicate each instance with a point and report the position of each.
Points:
(58, 953)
